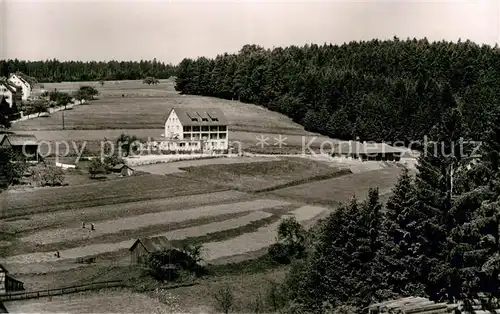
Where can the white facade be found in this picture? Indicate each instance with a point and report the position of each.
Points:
(16, 80)
(7, 94)
(173, 127)
(194, 136)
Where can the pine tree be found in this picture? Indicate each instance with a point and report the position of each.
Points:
(476, 235)
(343, 267)
(400, 252)
(434, 202)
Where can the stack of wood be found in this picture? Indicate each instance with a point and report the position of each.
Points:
(411, 305)
(480, 305)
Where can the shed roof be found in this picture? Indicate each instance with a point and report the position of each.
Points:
(200, 116)
(153, 244)
(21, 139)
(120, 166)
(2, 268)
(356, 147)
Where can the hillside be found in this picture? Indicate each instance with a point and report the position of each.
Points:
(378, 90)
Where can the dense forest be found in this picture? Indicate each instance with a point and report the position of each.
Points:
(59, 71)
(390, 90)
(437, 236)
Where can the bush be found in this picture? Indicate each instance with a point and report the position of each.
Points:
(257, 305)
(291, 241)
(280, 253)
(166, 264)
(47, 175)
(96, 167)
(275, 297)
(224, 299)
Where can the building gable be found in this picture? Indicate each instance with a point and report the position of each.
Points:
(4, 142)
(19, 81)
(199, 116)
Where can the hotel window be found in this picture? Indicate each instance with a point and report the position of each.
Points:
(204, 135)
(196, 128)
(222, 136)
(187, 129)
(213, 136)
(187, 136)
(204, 128)
(213, 128)
(222, 128)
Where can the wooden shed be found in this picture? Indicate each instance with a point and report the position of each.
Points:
(24, 144)
(144, 246)
(7, 283)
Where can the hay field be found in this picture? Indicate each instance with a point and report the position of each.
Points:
(127, 189)
(142, 112)
(146, 107)
(262, 175)
(103, 301)
(341, 189)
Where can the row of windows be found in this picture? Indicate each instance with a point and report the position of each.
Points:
(213, 136)
(211, 144)
(205, 128)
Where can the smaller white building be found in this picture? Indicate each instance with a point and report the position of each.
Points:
(25, 86)
(195, 129)
(9, 92)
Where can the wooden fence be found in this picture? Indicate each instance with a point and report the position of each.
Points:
(23, 295)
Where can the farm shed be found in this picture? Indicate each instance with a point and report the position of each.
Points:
(122, 169)
(412, 305)
(7, 283)
(24, 144)
(144, 246)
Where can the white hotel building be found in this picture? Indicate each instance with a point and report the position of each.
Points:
(195, 129)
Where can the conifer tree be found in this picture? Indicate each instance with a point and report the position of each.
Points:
(401, 245)
(434, 202)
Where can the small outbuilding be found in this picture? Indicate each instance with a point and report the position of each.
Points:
(7, 283)
(24, 144)
(143, 246)
(122, 169)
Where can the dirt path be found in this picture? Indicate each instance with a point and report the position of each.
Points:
(95, 249)
(141, 221)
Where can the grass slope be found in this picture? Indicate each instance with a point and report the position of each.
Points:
(128, 189)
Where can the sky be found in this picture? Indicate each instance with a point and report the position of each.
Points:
(172, 30)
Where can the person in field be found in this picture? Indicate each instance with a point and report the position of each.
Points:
(92, 226)
(83, 225)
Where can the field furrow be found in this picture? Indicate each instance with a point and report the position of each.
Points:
(95, 249)
(260, 239)
(114, 211)
(141, 221)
